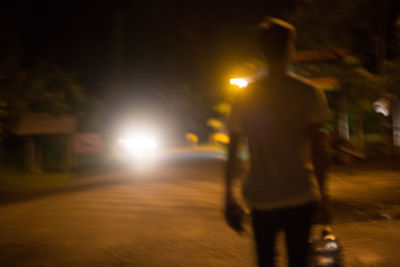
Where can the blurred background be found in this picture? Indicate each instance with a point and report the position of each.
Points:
(114, 66)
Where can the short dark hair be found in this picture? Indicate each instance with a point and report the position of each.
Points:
(276, 38)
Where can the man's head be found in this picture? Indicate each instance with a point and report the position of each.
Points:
(276, 39)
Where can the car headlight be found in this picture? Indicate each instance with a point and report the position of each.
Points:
(138, 145)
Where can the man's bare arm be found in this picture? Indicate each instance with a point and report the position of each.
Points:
(233, 211)
(231, 166)
(320, 156)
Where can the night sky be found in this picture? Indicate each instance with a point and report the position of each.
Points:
(133, 41)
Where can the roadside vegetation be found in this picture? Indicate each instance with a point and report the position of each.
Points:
(18, 184)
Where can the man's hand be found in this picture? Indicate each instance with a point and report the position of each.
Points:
(234, 215)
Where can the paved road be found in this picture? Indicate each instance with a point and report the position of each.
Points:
(172, 217)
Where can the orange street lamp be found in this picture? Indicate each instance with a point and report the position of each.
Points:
(240, 82)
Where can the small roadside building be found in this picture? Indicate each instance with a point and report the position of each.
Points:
(33, 125)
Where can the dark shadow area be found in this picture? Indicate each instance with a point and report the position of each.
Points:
(389, 163)
(344, 212)
(15, 254)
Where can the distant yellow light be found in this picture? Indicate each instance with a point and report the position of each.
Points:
(192, 138)
(220, 137)
(240, 82)
(215, 123)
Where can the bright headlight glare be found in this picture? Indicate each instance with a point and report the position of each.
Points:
(138, 144)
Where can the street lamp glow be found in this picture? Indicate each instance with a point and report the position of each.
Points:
(240, 82)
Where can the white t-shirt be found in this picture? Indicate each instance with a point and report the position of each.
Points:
(276, 117)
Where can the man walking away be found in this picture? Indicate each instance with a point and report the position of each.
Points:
(281, 116)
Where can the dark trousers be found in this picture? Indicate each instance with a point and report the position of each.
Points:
(295, 221)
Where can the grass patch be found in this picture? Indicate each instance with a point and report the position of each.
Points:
(14, 183)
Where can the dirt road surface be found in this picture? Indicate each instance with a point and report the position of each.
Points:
(171, 216)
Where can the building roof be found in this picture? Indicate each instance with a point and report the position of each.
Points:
(44, 123)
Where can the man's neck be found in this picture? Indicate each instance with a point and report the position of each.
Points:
(274, 74)
(277, 71)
